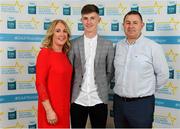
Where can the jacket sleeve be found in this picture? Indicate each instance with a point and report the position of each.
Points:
(71, 54)
(110, 61)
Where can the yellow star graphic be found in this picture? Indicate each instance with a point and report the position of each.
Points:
(33, 79)
(20, 7)
(159, 7)
(172, 87)
(172, 21)
(172, 54)
(1, 83)
(122, 8)
(19, 67)
(155, 6)
(33, 50)
(34, 110)
(54, 6)
(70, 23)
(171, 118)
(36, 23)
(1, 50)
(16, 4)
(18, 126)
(104, 25)
(27, 81)
(1, 113)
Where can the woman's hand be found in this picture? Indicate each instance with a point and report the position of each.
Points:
(50, 113)
(51, 117)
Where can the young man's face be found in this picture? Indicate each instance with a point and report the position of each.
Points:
(90, 22)
(133, 26)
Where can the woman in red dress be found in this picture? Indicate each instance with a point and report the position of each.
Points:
(53, 78)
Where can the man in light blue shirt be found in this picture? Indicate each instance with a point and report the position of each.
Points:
(140, 69)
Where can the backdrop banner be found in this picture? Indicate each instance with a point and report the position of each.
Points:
(23, 24)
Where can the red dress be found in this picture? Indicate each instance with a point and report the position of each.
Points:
(53, 81)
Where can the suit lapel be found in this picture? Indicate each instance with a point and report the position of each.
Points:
(82, 53)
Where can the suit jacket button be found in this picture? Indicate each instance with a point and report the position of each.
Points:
(79, 85)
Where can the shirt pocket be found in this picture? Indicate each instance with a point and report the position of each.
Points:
(142, 61)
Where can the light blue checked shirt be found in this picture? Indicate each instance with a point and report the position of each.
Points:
(140, 68)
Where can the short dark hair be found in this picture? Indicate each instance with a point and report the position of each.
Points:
(89, 8)
(133, 12)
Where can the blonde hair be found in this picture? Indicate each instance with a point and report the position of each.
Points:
(47, 42)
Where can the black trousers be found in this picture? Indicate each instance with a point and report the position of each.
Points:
(133, 113)
(97, 115)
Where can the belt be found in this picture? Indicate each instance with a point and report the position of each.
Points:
(125, 99)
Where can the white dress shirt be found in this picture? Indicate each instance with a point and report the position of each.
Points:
(88, 94)
(140, 68)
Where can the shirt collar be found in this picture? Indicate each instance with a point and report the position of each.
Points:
(135, 42)
(90, 39)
